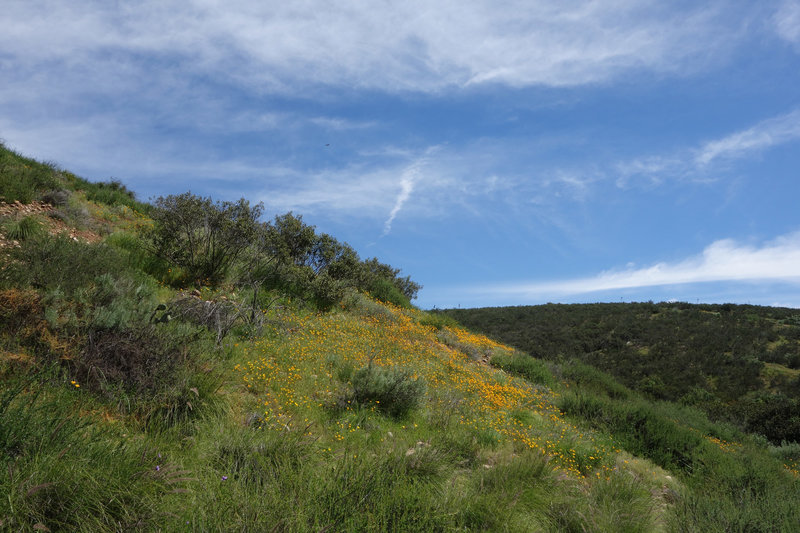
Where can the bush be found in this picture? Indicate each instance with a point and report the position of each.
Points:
(139, 360)
(392, 391)
(28, 227)
(59, 262)
(384, 290)
(200, 236)
(57, 197)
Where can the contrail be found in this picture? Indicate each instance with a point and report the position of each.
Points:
(407, 182)
(406, 188)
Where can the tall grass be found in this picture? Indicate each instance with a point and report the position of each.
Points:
(66, 471)
(22, 179)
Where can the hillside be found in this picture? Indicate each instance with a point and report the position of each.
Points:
(738, 363)
(237, 375)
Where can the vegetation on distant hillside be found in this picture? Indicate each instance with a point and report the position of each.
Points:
(187, 367)
(738, 363)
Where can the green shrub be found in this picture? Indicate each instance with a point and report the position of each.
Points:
(59, 262)
(28, 227)
(390, 390)
(525, 366)
(202, 237)
(111, 193)
(787, 451)
(385, 291)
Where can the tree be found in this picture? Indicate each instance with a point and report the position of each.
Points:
(202, 237)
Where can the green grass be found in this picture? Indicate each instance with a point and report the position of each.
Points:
(28, 227)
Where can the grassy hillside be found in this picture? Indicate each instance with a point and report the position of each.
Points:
(145, 391)
(736, 362)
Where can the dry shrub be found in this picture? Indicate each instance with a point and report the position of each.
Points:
(19, 309)
(216, 316)
(137, 359)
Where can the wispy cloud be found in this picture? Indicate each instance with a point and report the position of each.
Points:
(771, 132)
(722, 261)
(696, 163)
(413, 45)
(787, 22)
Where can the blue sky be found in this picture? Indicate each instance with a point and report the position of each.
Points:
(529, 152)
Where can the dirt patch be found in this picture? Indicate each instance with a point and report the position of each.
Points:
(17, 210)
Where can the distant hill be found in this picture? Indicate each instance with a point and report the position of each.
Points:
(737, 362)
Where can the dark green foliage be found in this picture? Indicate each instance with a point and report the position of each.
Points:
(374, 270)
(525, 366)
(711, 356)
(384, 290)
(202, 237)
(775, 416)
(390, 390)
(288, 256)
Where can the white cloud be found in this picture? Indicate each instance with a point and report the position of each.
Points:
(697, 163)
(787, 21)
(765, 134)
(722, 261)
(396, 46)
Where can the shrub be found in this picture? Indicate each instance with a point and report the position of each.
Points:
(391, 390)
(57, 197)
(59, 261)
(28, 227)
(384, 290)
(200, 236)
(139, 359)
(326, 291)
(216, 316)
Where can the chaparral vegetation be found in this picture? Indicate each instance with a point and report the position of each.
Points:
(184, 365)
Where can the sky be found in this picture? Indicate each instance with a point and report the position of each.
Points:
(511, 153)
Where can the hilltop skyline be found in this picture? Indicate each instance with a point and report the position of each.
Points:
(601, 151)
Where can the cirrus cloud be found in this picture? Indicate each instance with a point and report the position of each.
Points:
(722, 261)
